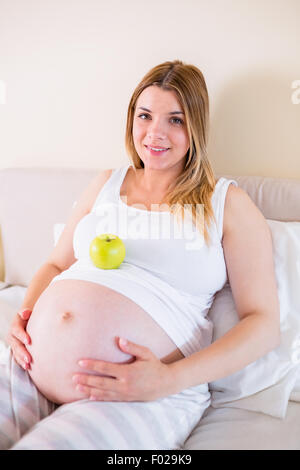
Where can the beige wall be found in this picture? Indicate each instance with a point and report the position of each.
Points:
(68, 68)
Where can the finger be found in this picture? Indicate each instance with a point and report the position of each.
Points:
(24, 358)
(19, 332)
(99, 395)
(136, 350)
(25, 314)
(21, 362)
(102, 383)
(109, 369)
(21, 354)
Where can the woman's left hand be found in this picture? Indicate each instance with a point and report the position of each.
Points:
(144, 379)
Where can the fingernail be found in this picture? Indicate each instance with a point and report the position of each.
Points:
(123, 342)
(82, 363)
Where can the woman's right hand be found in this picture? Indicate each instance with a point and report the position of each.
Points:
(17, 338)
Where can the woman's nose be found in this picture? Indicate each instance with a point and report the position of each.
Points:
(157, 129)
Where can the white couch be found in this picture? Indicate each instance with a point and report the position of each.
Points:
(256, 408)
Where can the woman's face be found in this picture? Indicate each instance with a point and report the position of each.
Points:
(161, 124)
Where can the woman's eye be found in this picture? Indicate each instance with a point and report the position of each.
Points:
(177, 120)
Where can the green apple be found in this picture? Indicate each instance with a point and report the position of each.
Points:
(107, 251)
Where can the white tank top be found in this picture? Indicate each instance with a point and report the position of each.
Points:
(167, 270)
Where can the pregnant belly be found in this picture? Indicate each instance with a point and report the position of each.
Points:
(73, 320)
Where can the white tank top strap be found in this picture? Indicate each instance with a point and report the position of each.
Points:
(111, 189)
(118, 183)
(218, 202)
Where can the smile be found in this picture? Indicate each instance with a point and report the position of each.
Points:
(156, 151)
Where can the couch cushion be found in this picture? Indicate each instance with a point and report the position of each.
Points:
(277, 198)
(234, 429)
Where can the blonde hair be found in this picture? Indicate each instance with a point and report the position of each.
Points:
(196, 183)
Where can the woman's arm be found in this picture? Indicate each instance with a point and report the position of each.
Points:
(248, 252)
(38, 284)
(253, 337)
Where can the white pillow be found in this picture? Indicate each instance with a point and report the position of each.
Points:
(266, 384)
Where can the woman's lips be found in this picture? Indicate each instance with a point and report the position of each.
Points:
(156, 153)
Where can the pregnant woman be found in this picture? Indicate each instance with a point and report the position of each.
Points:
(68, 381)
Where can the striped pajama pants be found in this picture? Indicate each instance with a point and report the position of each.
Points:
(29, 421)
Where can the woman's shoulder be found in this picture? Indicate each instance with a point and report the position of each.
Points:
(102, 177)
(237, 201)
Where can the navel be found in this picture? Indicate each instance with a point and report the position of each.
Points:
(67, 316)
